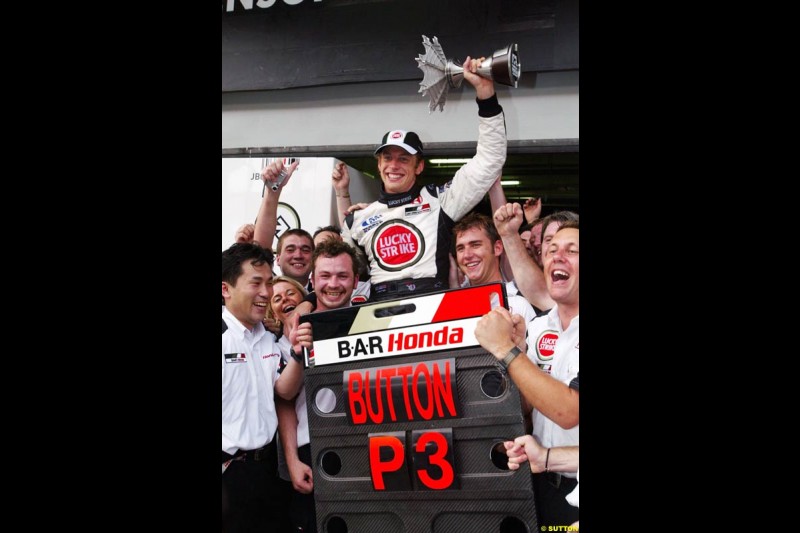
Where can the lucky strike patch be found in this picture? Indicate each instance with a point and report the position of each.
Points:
(397, 245)
(545, 345)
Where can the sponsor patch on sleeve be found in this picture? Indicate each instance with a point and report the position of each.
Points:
(417, 209)
(370, 223)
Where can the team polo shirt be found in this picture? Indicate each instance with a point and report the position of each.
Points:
(250, 362)
(556, 352)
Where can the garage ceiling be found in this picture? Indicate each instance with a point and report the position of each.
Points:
(550, 176)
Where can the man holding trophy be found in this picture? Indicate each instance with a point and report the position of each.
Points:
(406, 234)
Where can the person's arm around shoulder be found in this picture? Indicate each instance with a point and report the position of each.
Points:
(308, 305)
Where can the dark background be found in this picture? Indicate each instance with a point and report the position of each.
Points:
(352, 41)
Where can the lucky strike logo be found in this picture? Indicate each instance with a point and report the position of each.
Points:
(397, 245)
(545, 345)
(396, 135)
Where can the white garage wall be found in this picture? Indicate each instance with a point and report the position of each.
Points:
(544, 106)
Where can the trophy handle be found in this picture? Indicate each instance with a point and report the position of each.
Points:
(503, 67)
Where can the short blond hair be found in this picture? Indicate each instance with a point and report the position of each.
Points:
(291, 281)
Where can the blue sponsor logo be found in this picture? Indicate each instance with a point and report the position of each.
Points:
(370, 223)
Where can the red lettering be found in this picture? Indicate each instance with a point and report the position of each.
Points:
(429, 391)
(426, 413)
(376, 416)
(411, 342)
(404, 372)
(355, 392)
(395, 344)
(388, 373)
(436, 459)
(377, 467)
(425, 339)
(442, 392)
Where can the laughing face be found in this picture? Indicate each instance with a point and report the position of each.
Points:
(399, 169)
(248, 298)
(285, 297)
(562, 266)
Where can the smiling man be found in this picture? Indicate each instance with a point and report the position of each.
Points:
(335, 274)
(295, 247)
(552, 386)
(405, 234)
(250, 380)
(478, 249)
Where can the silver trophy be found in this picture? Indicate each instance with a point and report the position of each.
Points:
(440, 74)
(283, 173)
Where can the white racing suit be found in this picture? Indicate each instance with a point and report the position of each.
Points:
(407, 236)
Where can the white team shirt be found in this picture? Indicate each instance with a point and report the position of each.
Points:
(249, 370)
(556, 352)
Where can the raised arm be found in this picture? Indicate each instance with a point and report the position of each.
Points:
(473, 180)
(341, 186)
(244, 233)
(497, 198)
(533, 209)
(267, 219)
(484, 87)
(527, 274)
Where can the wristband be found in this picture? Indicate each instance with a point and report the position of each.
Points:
(297, 357)
(510, 356)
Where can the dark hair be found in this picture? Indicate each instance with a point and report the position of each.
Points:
(238, 253)
(475, 220)
(562, 217)
(528, 226)
(295, 231)
(335, 229)
(334, 248)
(569, 224)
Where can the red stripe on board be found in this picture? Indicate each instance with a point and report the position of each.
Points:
(468, 302)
